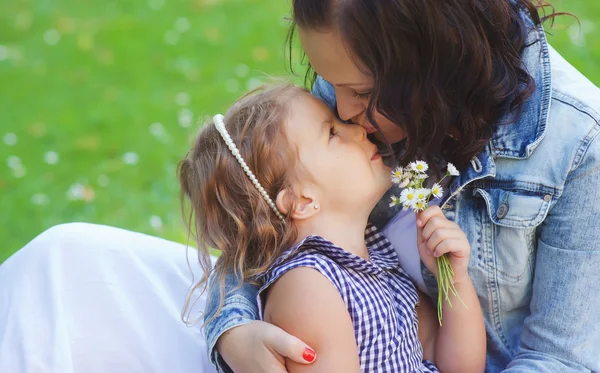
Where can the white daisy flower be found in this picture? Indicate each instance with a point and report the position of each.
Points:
(421, 176)
(422, 194)
(419, 166)
(395, 201)
(408, 195)
(420, 206)
(404, 182)
(397, 175)
(437, 191)
(452, 170)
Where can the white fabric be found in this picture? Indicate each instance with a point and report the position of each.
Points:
(83, 298)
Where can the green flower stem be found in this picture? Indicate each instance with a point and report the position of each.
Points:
(445, 282)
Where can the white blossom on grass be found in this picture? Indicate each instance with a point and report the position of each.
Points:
(51, 157)
(10, 139)
(131, 158)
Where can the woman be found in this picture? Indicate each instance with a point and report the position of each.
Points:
(475, 83)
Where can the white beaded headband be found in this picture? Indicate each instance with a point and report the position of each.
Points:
(220, 125)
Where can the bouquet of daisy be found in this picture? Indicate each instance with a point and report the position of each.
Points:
(416, 196)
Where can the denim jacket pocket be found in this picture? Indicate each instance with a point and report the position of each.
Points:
(512, 218)
(515, 209)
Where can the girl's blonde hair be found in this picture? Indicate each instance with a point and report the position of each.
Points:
(226, 212)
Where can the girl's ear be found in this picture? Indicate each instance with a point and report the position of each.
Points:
(303, 207)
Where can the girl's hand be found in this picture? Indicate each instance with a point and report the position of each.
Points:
(436, 236)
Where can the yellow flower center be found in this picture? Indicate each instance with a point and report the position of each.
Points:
(410, 196)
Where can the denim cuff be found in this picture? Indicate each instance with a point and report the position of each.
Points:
(237, 310)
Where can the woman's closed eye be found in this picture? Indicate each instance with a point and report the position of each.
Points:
(362, 96)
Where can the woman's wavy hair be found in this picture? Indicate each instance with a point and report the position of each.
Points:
(436, 64)
(222, 207)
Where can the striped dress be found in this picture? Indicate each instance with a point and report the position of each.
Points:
(380, 297)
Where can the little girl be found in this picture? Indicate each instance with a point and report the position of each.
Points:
(284, 190)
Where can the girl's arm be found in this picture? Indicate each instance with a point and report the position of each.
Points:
(460, 345)
(428, 326)
(305, 304)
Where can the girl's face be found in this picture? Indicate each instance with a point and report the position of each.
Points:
(338, 163)
(330, 59)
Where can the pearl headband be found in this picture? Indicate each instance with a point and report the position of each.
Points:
(220, 125)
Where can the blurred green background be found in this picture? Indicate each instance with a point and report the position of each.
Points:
(99, 100)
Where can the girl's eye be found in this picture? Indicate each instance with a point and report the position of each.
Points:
(332, 132)
(362, 96)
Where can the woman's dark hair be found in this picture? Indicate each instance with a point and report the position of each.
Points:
(436, 65)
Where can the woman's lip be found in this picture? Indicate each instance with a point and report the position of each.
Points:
(376, 155)
(370, 129)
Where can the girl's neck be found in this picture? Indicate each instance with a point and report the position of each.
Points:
(347, 232)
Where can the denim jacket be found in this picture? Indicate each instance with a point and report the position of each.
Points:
(529, 204)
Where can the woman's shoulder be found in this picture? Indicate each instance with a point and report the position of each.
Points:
(572, 91)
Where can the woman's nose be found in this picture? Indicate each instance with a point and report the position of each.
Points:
(349, 108)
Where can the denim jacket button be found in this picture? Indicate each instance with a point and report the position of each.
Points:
(502, 211)
(547, 198)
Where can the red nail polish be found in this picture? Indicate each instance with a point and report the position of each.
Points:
(309, 355)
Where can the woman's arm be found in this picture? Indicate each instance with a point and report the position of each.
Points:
(237, 342)
(305, 304)
(562, 333)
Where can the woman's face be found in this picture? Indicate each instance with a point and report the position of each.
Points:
(330, 59)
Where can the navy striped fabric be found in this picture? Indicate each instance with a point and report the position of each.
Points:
(380, 297)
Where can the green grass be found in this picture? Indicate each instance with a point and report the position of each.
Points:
(99, 100)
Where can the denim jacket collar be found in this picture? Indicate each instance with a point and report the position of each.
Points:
(519, 139)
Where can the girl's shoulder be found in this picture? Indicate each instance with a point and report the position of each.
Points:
(313, 252)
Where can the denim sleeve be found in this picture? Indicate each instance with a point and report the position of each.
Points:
(239, 308)
(562, 334)
(323, 90)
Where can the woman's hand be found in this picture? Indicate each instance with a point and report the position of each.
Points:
(260, 347)
(436, 236)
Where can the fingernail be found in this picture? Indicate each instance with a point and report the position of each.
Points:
(309, 355)
(419, 223)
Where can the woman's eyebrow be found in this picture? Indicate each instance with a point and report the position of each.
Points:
(355, 85)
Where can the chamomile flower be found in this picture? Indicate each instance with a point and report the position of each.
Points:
(419, 166)
(420, 206)
(408, 197)
(423, 194)
(437, 191)
(416, 197)
(395, 201)
(397, 175)
(452, 170)
(404, 182)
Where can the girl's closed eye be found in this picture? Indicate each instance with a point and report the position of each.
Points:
(332, 131)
